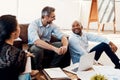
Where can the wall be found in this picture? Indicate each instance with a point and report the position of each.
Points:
(8, 7)
(28, 10)
(66, 11)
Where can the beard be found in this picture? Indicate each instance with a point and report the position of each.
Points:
(77, 31)
(49, 22)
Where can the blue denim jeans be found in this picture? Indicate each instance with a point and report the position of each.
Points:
(105, 47)
(25, 76)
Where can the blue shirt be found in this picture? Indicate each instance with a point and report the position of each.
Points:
(36, 30)
(78, 45)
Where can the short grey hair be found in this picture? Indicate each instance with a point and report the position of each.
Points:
(47, 11)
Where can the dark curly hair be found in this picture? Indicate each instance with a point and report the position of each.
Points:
(8, 24)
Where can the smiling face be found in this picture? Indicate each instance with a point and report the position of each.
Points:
(48, 19)
(48, 15)
(51, 18)
(77, 28)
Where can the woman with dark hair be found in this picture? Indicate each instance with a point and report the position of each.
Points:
(12, 59)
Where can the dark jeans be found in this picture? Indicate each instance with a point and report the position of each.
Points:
(105, 47)
(45, 58)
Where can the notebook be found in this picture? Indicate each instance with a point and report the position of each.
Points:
(85, 63)
(55, 74)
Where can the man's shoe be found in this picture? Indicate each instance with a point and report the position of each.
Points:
(117, 67)
(97, 63)
(34, 73)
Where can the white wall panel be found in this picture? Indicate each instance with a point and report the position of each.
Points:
(8, 7)
(66, 11)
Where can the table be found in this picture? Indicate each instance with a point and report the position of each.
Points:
(41, 76)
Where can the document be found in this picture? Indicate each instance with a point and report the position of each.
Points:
(55, 73)
(109, 71)
(86, 75)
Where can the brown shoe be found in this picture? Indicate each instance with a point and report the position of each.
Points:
(34, 72)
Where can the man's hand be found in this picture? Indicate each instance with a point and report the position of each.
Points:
(113, 46)
(61, 50)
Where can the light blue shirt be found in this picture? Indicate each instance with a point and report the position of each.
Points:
(78, 45)
(36, 30)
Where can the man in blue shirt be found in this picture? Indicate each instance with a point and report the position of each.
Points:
(39, 36)
(78, 45)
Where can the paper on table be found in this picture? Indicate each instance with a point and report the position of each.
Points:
(55, 73)
(85, 75)
(28, 65)
(109, 71)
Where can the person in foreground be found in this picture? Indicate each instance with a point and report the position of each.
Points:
(78, 45)
(12, 59)
(39, 36)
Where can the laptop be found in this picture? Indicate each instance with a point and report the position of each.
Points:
(85, 63)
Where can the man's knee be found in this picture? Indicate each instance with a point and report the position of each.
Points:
(37, 60)
(105, 45)
(57, 44)
(35, 49)
(100, 47)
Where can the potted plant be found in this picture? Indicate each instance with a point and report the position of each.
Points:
(98, 77)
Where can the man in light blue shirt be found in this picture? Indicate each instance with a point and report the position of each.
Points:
(39, 36)
(78, 45)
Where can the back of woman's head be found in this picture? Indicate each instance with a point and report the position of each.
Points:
(8, 24)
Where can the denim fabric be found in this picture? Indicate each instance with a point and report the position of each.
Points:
(25, 76)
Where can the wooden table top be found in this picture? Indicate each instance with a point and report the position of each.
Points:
(41, 76)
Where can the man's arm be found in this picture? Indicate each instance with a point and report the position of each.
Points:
(45, 45)
(64, 46)
(97, 38)
(64, 41)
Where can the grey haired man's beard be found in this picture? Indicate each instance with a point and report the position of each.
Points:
(49, 22)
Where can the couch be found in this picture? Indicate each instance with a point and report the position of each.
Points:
(22, 44)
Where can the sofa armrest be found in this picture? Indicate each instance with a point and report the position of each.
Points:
(24, 32)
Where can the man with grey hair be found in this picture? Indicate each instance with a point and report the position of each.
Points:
(39, 36)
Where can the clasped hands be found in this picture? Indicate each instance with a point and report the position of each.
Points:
(60, 51)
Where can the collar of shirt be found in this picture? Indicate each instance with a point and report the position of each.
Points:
(77, 35)
(41, 25)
